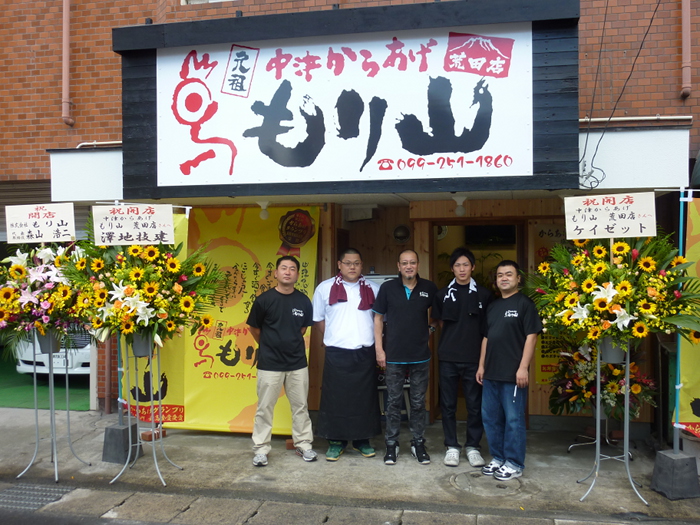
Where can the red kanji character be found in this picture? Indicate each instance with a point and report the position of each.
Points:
(308, 63)
(278, 62)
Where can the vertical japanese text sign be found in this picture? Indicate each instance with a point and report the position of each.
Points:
(609, 216)
(37, 223)
(126, 224)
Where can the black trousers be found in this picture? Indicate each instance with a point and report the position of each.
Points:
(451, 375)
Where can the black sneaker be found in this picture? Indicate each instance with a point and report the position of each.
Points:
(392, 453)
(418, 452)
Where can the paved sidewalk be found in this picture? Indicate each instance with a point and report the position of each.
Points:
(218, 483)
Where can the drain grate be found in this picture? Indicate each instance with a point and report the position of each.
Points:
(24, 496)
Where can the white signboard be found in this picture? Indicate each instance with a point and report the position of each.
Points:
(438, 103)
(127, 224)
(610, 216)
(37, 223)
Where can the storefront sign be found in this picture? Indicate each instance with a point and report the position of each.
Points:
(439, 103)
(37, 223)
(610, 216)
(126, 224)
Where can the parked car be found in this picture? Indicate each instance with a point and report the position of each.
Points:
(76, 361)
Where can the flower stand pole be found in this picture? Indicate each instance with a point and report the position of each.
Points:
(50, 344)
(625, 457)
(154, 432)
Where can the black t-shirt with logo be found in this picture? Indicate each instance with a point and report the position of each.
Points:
(280, 318)
(406, 320)
(508, 323)
(461, 335)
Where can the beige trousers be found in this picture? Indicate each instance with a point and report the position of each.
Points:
(269, 387)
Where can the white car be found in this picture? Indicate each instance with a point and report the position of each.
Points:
(77, 359)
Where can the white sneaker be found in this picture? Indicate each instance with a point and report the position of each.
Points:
(260, 460)
(506, 472)
(452, 457)
(474, 457)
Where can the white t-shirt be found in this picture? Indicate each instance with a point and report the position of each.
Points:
(346, 326)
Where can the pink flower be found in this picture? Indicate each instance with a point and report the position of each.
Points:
(45, 318)
(677, 293)
(182, 278)
(565, 271)
(193, 293)
(662, 273)
(540, 290)
(45, 305)
(635, 254)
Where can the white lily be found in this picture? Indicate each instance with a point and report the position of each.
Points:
(119, 291)
(145, 314)
(37, 274)
(134, 303)
(20, 259)
(608, 292)
(56, 275)
(46, 255)
(580, 312)
(623, 319)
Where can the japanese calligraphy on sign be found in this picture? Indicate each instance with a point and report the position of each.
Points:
(127, 224)
(435, 103)
(610, 216)
(36, 223)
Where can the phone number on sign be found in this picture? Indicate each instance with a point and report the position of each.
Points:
(483, 161)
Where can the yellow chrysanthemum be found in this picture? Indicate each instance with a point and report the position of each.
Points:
(624, 288)
(7, 295)
(136, 274)
(640, 330)
(600, 304)
(588, 285)
(150, 253)
(647, 264)
(97, 265)
(173, 265)
(186, 304)
(599, 251)
(636, 388)
(206, 321)
(620, 248)
(17, 271)
(678, 259)
(134, 250)
(646, 307)
(199, 269)
(580, 242)
(543, 268)
(151, 289)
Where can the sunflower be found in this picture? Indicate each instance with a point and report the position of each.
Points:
(647, 264)
(594, 333)
(600, 304)
(150, 253)
(170, 325)
(7, 294)
(636, 388)
(101, 294)
(151, 289)
(560, 297)
(187, 304)
(571, 300)
(646, 307)
(624, 288)
(81, 264)
(199, 269)
(600, 251)
(612, 387)
(206, 321)
(173, 265)
(580, 242)
(598, 269)
(4, 315)
(128, 326)
(96, 322)
(543, 268)
(620, 248)
(694, 337)
(678, 259)
(63, 292)
(134, 250)
(566, 318)
(577, 260)
(640, 330)
(588, 285)
(97, 265)
(136, 274)
(17, 271)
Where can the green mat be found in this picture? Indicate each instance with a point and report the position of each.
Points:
(17, 390)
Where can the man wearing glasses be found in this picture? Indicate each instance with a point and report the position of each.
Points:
(404, 303)
(349, 404)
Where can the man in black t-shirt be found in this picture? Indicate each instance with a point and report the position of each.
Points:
(278, 321)
(461, 310)
(404, 302)
(512, 326)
